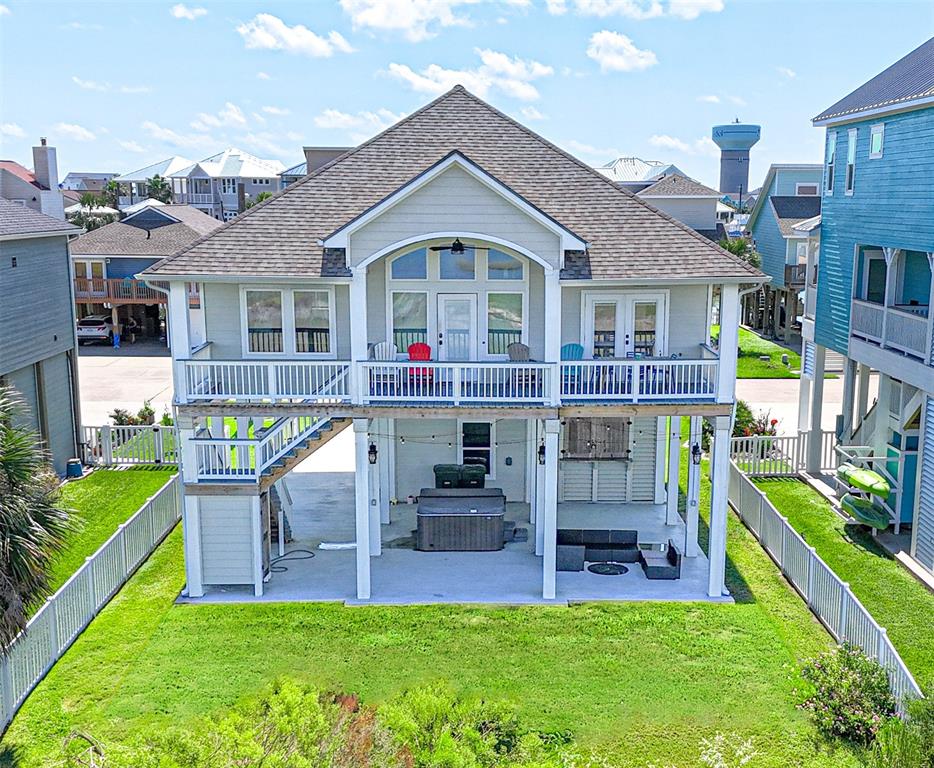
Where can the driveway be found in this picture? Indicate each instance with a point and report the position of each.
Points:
(123, 378)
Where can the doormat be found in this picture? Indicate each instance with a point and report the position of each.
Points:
(608, 569)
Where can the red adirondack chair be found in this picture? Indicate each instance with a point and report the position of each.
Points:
(420, 352)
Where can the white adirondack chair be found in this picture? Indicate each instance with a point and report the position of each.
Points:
(384, 379)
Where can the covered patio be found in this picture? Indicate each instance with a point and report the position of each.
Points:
(323, 511)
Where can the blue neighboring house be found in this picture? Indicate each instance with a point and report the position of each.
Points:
(789, 195)
(872, 299)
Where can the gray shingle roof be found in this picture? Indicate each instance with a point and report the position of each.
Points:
(120, 238)
(16, 219)
(675, 185)
(790, 209)
(627, 238)
(909, 78)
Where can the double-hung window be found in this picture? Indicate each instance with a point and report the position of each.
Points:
(876, 140)
(228, 186)
(290, 322)
(831, 162)
(264, 321)
(850, 161)
(312, 311)
(504, 321)
(409, 318)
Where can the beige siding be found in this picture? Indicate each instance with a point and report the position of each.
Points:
(226, 539)
(452, 202)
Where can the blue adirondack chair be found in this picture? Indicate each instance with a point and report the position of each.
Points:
(571, 376)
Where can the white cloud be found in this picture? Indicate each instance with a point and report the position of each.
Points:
(182, 11)
(75, 131)
(266, 142)
(83, 25)
(95, 85)
(417, 19)
(277, 111)
(169, 136)
(703, 146)
(615, 52)
(738, 100)
(510, 75)
(709, 99)
(258, 118)
(787, 72)
(263, 76)
(11, 129)
(638, 10)
(268, 32)
(230, 115)
(294, 136)
(4, 10)
(360, 125)
(132, 146)
(530, 113)
(590, 151)
(135, 89)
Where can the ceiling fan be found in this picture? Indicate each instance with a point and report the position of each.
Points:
(457, 247)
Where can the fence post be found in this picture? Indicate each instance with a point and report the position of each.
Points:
(50, 607)
(107, 447)
(92, 587)
(157, 446)
(6, 688)
(121, 532)
(844, 607)
(152, 527)
(880, 647)
(812, 553)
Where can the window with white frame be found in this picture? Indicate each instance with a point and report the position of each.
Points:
(876, 140)
(850, 161)
(806, 190)
(260, 182)
(504, 321)
(457, 266)
(410, 266)
(831, 162)
(312, 313)
(502, 266)
(264, 321)
(478, 445)
(228, 215)
(228, 186)
(409, 318)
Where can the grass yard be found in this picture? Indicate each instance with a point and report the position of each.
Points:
(893, 596)
(752, 347)
(101, 501)
(642, 683)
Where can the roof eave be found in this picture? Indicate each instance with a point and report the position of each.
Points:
(877, 111)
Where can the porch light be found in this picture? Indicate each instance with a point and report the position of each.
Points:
(372, 453)
(695, 455)
(457, 247)
(541, 453)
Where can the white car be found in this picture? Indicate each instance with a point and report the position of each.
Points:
(95, 328)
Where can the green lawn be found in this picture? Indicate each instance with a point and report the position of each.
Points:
(751, 347)
(101, 501)
(890, 593)
(641, 682)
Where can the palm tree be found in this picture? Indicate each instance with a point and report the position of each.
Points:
(110, 194)
(740, 246)
(89, 200)
(33, 524)
(159, 189)
(258, 199)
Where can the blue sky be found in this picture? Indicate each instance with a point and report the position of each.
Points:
(116, 86)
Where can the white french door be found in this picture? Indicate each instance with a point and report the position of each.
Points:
(619, 325)
(457, 326)
(95, 271)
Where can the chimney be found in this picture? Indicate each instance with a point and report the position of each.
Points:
(45, 169)
(315, 157)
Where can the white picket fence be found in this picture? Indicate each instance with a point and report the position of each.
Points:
(110, 446)
(66, 613)
(781, 455)
(828, 597)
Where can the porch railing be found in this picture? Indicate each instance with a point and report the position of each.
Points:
(795, 274)
(253, 381)
(110, 446)
(116, 290)
(639, 380)
(904, 329)
(829, 597)
(781, 455)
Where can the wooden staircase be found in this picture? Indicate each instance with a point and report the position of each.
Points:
(302, 450)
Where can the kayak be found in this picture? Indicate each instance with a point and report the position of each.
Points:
(864, 479)
(865, 512)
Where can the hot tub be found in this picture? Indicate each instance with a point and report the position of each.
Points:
(460, 520)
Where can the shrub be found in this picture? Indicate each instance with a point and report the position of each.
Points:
(921, 717)
(897, 745)
(850, 697)
(145, 415)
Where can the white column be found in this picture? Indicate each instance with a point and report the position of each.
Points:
(358, 329)
(849, 396)
(550, 509)
(362, 512)
(891, 275)
(552, 316)
(539, 497)
(189, 467)
(863, 397)
(729, 341)
(385, 430)
(674, 466)
(817, 403)
(718, 507)
(376, 543)
(191, 532)
(179, 334)
(661, 441)
(692, 514)
(804, 403)
(257, 525)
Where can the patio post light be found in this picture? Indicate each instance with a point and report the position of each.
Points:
(696, 455)
(372, 453)
(541, 453)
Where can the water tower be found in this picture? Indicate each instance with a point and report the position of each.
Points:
(735, 140)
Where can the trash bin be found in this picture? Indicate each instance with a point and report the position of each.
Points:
(447, 475)
(472, 476)
(73, 468)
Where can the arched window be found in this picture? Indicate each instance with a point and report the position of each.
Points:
(410, 266)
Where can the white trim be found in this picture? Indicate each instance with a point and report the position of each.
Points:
(876, 128)
(625, 303)
(869, 255)
(460, 442)
(852, 139)
(474, 300)
(829, 178)
(287, 305)
(889, 109)
(341, 237)
(799, 184)
(483, 332)
(679, 197)
(157, 209)
(390, 319)
(69, 233)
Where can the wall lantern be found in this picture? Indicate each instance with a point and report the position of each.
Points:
(696, 455)
(372, 453)
(541, 453)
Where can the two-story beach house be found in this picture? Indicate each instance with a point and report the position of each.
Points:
(484, 310)
(134, 185)
(791, 195)
(873, 293)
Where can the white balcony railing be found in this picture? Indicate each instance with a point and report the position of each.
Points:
(197, 198)
(448, 383)
(900, 328)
